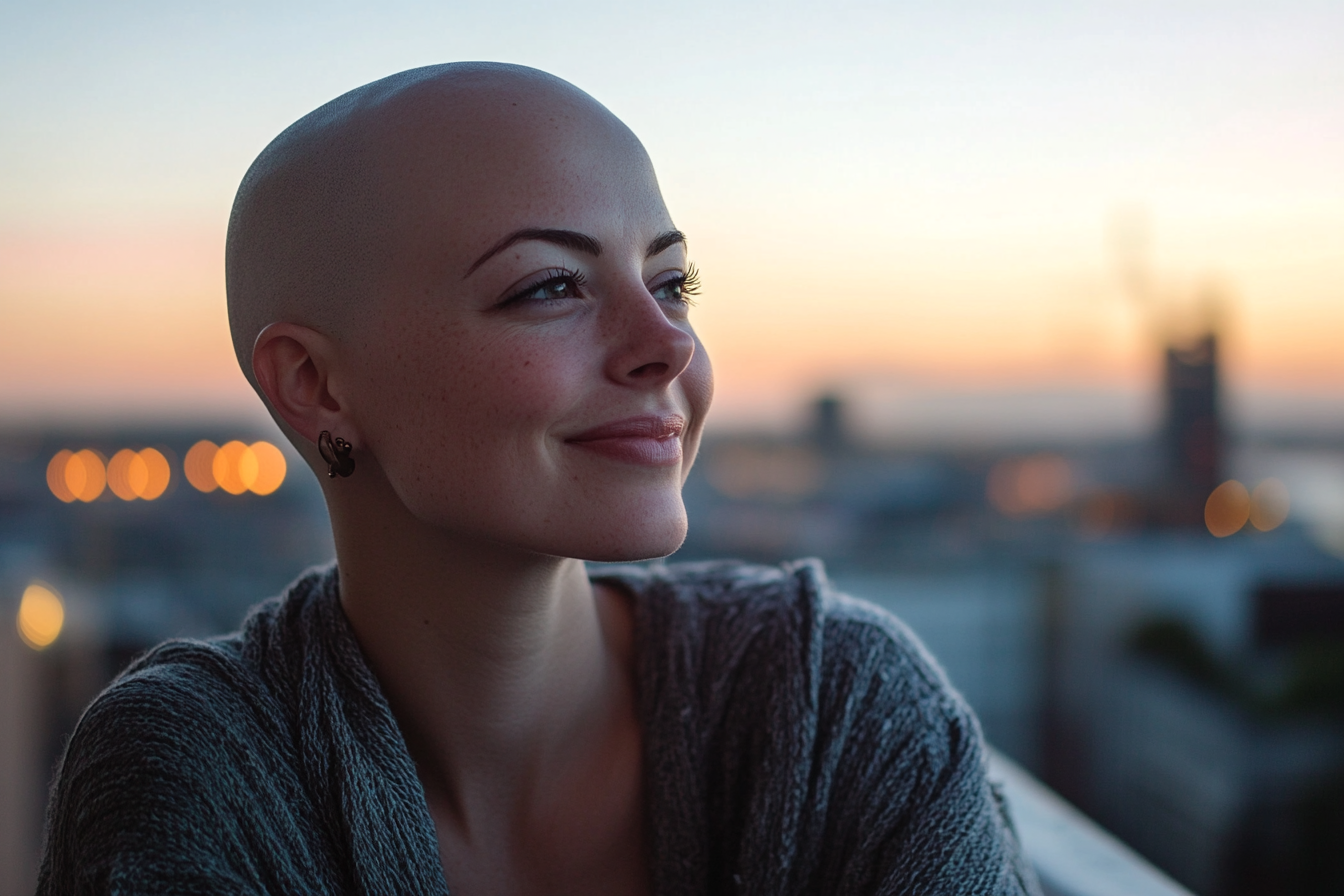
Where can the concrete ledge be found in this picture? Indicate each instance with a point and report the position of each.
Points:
(1072, 854)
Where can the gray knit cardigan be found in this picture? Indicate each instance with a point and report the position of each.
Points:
(796, 741)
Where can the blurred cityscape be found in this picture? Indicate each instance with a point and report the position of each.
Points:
(1154, 627)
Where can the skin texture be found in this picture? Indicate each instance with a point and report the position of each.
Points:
(359, 306)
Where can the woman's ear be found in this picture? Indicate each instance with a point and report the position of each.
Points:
(293, 366)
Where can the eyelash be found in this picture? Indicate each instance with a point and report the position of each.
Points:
(688, 284)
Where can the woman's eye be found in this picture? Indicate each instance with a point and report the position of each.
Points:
(678, 289)
(555, 288)
(670, 291)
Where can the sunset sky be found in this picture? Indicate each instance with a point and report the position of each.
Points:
(917, 203)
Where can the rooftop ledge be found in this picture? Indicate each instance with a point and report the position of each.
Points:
(1072, 854)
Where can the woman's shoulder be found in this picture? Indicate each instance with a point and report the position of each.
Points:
(727, 605)
(184, 756)
(231, 684)
(735, 644)
(808, 715)
(177, 721)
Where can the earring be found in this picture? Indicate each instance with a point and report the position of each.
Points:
(336, 452)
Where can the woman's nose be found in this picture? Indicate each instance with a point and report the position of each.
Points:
(648, 349)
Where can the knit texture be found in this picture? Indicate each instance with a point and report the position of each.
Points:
(796, 742)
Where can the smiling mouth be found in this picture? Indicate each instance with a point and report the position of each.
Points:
(649, 440)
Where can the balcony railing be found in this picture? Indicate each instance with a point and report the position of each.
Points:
(1072, 854)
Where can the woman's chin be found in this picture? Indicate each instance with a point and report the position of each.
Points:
(631, 543)
(612, 526)
(633, 554)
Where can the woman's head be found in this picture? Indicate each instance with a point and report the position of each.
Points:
(468, 272)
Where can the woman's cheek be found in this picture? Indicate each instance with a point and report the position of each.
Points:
(698, 382)
(545, 380)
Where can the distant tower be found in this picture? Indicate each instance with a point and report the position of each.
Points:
(1192, 433)
(828, 425)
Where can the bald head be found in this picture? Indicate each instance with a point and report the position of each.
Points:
(355, 196)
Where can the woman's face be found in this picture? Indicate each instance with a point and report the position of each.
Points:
(530, 373)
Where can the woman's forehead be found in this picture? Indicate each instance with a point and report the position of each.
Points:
(589, 180)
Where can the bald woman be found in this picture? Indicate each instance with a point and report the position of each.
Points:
(461, 296)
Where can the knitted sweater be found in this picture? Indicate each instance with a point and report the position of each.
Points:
(796, 741)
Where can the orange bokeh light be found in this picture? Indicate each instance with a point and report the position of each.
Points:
(1227, 509)
(1030, 485)
(56, 476)
(780, 472)
(84, 476)
(198, 466)
(138, 474)
(158, 473)
(271, 468)
(1269, 505)
(234, 467)
(126, 474)
(145, 475)
(41, 615)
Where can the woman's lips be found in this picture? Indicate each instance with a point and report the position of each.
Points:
(652, 441)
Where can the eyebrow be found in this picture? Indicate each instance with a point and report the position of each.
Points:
(570, 239)
(664, 241)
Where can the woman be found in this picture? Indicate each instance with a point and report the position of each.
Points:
(460, 295)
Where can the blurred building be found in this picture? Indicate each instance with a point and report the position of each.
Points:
(1192, 431)
(1202, 682)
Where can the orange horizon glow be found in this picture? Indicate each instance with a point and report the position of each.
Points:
(138, 317)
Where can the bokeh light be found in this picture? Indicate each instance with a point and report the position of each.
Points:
(1024, 486)
(130, 475)
(138, 474)
(198, 466)
(157, 474)
(1269, 505)
(78, 476)
(1227, 509)
(1105, 513)
(56, 476)
(741, 471)
(41, 616)
(234, 467)
(271, 468)
(126, 474)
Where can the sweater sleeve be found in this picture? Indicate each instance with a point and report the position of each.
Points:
(167, 786)
(910, 806)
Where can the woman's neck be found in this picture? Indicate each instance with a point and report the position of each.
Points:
(497, 656)
(510, 676)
